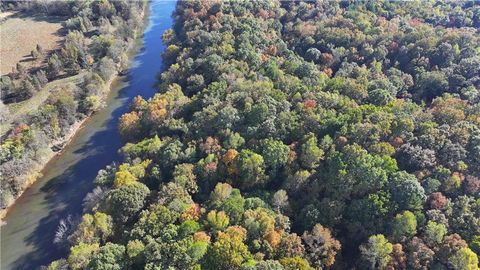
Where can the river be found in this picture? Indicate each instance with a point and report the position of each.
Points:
(27, 237)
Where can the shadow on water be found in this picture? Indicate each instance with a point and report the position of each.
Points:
(32, 222)
(61, 191)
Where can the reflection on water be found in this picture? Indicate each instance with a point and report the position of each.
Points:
(27, 238)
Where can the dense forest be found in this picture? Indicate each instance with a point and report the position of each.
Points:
(298, 135)
(98, 36)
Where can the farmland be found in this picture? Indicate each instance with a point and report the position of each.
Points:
(19, 35)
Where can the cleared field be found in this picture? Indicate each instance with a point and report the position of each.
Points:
(5, 14)
(19, 35)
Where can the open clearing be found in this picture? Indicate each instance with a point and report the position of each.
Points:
(20, 35)
(5, 14)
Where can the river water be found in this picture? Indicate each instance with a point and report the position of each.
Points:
(27, 237)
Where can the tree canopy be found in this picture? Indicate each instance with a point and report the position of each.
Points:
(303, 135)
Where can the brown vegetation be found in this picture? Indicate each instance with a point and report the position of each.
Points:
(20, 35)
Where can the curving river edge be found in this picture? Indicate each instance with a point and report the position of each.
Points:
(27, 237)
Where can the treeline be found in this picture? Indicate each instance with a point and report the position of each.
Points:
(93, 51)
(298, 135)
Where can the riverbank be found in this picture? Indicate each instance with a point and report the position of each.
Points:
(36, 171)
(32, 222)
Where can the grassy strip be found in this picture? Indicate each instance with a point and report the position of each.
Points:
(17, 110)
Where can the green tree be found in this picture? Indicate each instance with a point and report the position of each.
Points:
(464, 259)
(376, 252)
(251, 169)
(310, 153)
(465, 218)
(93, 229)
(269, 265)
(153, 220)
(184, 176)
(228, 199)
(295, 263)
(135, 252)
(91, 104)
(188, 227)
(431, 85)
(54, 66)
(380, 97)
(80, 255)
(275, 153)
(61, 264)
(27, 89)
(363, 216)
(125, 202)
(258, 222)
(217, 220)
(404, 225)
(475, 244)
(434, 233)
(169, 253)
(407, 191)
(111, 257)
(228, 252)
(354, 172)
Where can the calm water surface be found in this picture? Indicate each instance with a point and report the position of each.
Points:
(27, 237)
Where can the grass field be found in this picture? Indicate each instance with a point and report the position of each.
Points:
(20, 35)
